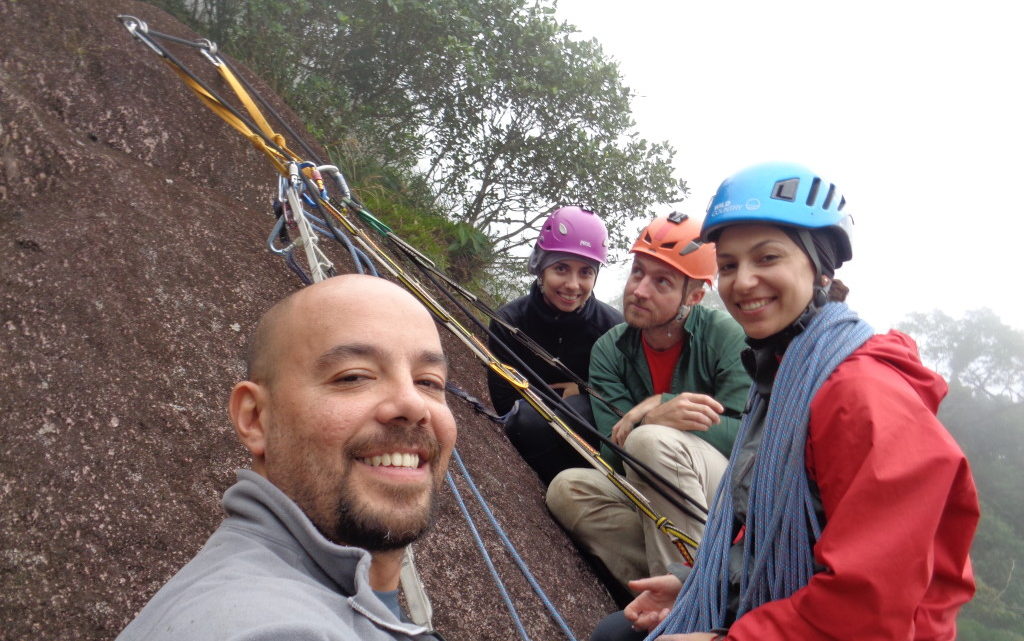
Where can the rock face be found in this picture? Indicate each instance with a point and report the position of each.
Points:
(133, 225)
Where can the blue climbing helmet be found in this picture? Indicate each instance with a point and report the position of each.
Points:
(780, 193)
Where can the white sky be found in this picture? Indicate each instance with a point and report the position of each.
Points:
(913, 108)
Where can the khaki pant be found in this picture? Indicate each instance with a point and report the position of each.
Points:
(607, 524)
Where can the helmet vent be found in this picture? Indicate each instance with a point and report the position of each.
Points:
(828, 197)
(691, 247)
(813, 195)
(669, 245)
(786, 189)
(842, 203)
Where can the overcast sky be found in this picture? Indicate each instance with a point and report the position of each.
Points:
(914, 109)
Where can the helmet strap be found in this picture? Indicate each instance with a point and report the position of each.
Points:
(684, 309)
(820, 296)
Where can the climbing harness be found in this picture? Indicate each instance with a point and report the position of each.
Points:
(302, 186)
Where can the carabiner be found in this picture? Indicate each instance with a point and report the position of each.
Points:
(275, 233)
(133, 24)
(509, 373)
(331, 170)
(140, 30)
(209, 49)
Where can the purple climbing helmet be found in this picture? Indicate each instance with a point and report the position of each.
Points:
(573, 230)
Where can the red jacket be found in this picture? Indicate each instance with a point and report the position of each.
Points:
(900, 504)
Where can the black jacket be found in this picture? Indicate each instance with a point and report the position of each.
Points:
(568, 336)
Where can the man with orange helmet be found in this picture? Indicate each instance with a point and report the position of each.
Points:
(674, 370)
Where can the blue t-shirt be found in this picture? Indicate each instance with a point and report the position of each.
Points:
(390, 599)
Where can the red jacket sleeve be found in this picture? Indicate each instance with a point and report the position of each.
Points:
(901, 511)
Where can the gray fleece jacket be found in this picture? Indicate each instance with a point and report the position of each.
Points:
(267, 573)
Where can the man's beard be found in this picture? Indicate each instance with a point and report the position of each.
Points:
(649, 322)
(642, 322)
(365, 522)
(635, 322)
(361, 526)
(386, 518)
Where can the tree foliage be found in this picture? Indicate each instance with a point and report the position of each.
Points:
(503, 109)
(978, 352)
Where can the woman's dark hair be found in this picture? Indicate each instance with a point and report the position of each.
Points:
(837, 293)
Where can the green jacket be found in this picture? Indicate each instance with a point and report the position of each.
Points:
(709, 364)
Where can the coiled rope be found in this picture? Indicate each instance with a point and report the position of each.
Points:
(777, 545)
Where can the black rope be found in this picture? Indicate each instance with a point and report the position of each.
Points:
(475, 402)
(425, 265)
(670, 492)
(140, 30)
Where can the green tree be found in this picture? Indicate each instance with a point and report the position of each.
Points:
(542, 119)
(503, 109)
(978, 352)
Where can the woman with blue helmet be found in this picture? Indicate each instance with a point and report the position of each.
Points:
(847, 511)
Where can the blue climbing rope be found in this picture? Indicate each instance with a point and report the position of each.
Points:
(487, 558)
(777, 544)
(520, 563)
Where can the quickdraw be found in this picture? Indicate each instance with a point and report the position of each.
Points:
(524, 339)
(301, 184)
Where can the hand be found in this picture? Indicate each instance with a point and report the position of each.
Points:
(567, 389)
(626, 424)
(693, 636)
(688, 412)
(655, 599)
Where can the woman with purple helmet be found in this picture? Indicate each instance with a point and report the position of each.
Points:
(561, 314)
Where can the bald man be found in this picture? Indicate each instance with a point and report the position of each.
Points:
(345, 416)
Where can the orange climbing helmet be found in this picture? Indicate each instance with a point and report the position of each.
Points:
(675, 241)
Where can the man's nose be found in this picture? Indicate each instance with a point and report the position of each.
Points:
(404, 402)
(643, 288)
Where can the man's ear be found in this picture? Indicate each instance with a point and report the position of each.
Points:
(248, 407)
(695, 295)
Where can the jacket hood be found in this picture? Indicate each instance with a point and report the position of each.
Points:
(899, 351)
